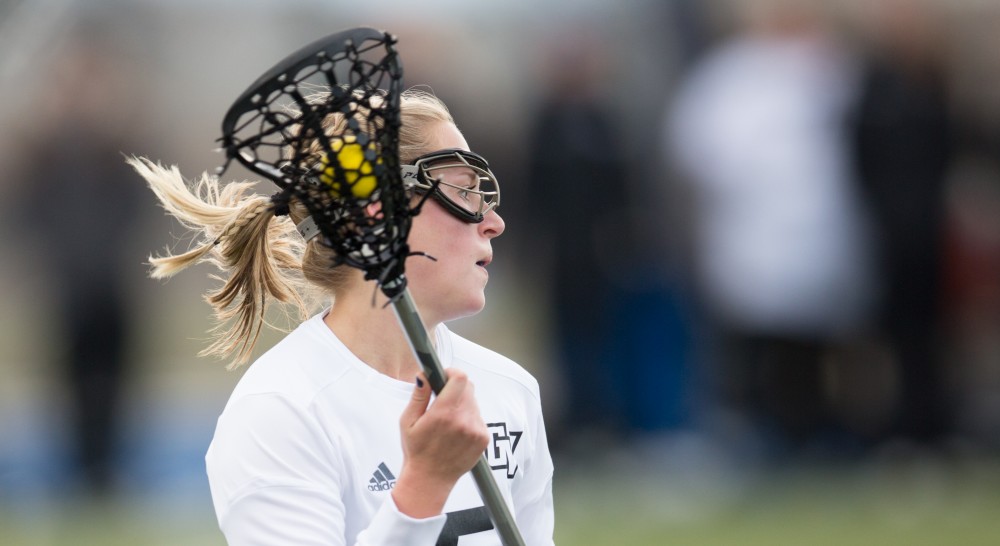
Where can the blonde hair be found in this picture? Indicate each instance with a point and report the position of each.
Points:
(264, 257)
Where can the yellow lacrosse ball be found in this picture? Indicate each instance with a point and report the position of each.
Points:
(358, 171)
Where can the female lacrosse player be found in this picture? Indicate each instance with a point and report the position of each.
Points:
(331, 436)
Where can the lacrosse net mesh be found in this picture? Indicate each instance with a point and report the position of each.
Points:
(324, 126)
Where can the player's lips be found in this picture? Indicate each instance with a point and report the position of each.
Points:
(485, 261)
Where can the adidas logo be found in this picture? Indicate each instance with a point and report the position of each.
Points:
(382, 479)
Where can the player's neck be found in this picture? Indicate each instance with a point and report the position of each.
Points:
(373, 334)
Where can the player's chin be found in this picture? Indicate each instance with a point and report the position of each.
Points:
(471, 305)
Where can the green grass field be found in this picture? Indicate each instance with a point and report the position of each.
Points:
(925, 505)
(914, 504)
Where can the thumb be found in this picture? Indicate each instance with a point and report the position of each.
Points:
(418, 402)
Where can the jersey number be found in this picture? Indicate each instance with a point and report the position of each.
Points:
(464, 522)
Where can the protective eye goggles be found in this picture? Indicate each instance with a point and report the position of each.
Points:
(459, 180)
(462, 183)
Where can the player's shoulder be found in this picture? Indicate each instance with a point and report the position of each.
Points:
(475, 358)
(297, 367)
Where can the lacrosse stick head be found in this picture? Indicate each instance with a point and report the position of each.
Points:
(323, 124)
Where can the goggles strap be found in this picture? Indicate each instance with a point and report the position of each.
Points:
(308, 228)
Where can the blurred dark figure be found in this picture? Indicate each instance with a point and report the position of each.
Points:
(905, 145)
(779, 236)
(79, 202)
(972, 292)
(578, 185)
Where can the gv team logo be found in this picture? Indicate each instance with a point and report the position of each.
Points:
(503, 443)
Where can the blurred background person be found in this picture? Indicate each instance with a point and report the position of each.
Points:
(780, 242)
(904, 146)
(971, 281)
(618, 340)
(576, 170)
(77, 209)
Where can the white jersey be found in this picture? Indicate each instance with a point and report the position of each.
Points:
(307, 449)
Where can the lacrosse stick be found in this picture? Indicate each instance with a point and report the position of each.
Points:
(347, 175)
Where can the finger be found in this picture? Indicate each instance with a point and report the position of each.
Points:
(418, 402)
(454, 389)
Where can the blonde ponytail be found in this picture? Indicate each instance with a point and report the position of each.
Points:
(241, 235)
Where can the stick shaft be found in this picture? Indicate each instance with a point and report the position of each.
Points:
(415, 332)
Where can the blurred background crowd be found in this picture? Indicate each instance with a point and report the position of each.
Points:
(740, 233)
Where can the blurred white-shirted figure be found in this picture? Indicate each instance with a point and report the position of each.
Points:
(780, 239)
